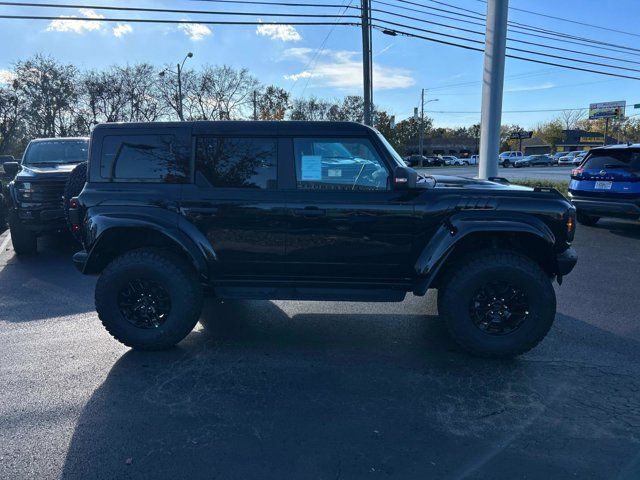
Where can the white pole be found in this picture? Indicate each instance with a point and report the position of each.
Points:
(492, 84)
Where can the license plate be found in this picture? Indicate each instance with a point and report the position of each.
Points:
(603, 185)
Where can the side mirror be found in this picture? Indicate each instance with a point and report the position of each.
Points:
(6, 158)
(11, 168)
(404, 178)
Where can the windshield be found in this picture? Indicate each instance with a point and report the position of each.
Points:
(625, 159)
(56, 152)
(397, 158)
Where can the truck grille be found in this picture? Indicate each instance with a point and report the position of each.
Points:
(47, 192)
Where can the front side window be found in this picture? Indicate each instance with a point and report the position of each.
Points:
(156, 158)
(339, 164)
(229, 162)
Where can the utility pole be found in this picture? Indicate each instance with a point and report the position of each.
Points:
(492, 86)
(367, 61)
(255, 105)
(606, 131)
(421, 137)
(180, 111)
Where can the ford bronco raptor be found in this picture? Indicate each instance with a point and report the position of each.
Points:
(35, 196)
(172, 212)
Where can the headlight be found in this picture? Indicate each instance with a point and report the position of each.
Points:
(24, 190)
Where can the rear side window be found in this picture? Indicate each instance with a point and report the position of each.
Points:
(339, 164)
(144, 158)
(237, 162)
(610, 159)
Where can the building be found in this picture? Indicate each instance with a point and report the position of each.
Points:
(461, 146)
(571, 140)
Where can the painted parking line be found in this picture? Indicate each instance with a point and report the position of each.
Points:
(5, 238)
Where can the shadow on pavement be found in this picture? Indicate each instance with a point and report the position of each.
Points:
(260, 394)
(622, 228)
(31, 287)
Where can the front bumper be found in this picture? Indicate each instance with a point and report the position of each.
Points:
(600, 207)
(565, 261)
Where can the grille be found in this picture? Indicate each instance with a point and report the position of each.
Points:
(47, 192)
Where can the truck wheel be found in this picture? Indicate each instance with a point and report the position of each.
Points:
(24, 242)
(497, 303)
(585, 219)
(75, 184)
(148, 299)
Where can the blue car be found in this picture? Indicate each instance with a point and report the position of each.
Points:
(607, 184)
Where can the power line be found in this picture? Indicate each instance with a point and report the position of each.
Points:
(508, 38)
(165, 21)
(167, 10)
(280, 4)
(549, 55)
(577, 22)
(384, 29)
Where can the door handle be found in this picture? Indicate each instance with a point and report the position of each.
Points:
(309, 212)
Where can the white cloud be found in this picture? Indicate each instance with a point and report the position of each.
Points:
(7, 76)
(343, 69)
(286, 33)
(531, 88)
(195, 31)
(122, 29)
(77, 26)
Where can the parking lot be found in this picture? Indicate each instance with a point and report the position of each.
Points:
(320, 390)
(561, 173)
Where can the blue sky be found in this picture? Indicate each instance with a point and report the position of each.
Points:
(291, 57)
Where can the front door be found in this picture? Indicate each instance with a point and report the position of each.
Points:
(235, 203)
(345, 221)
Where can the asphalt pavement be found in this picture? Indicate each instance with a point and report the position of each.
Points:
(561, 173)
(309, 390)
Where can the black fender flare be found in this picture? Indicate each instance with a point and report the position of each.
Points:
(102, 229)
(454, 229)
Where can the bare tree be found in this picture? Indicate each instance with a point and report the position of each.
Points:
(571, 118)
(229, 90)
(312, 109)
(11, 124)
(272, 103)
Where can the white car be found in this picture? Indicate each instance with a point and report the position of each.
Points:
(473, 160)
(506, 159)
(452, 160)
(568, 158)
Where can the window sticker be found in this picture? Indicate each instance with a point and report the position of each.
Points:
(311, 168)
(334, 172)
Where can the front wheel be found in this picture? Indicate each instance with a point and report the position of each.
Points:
(148, 299)
(24, 241)
(506, 163)
(587, 220)
(497, 303)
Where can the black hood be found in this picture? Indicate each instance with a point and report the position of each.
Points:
(54, 171)
(451, 181)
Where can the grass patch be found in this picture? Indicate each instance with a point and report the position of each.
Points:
(561, 185)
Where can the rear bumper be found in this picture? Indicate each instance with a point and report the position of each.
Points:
(566, 260)
(600, 207)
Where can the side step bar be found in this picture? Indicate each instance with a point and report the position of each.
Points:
(319, 294)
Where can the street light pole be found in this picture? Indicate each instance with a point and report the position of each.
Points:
(421, 142)
(179, 103)
(492, 85)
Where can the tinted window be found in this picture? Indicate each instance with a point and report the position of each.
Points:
(627, 159)
(339, 164)
(159, 158)
(229, 162)
(56, 151)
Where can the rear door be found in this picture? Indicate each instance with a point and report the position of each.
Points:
(613, 173)
(346, 222)
(235, 203)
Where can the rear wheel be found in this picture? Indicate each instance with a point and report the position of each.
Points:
(506, 163)
(24, 241)
(497, 303)
(584, 219)
(148, 299)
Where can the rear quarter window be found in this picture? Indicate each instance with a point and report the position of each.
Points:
(145, 158)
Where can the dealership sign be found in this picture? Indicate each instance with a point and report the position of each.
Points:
(607, 110)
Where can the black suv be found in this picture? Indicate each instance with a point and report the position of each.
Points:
(35, 196)
(309, 211)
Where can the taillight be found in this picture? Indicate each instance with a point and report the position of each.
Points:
(73, 203)
(577, 172)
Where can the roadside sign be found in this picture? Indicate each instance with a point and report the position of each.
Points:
(637, 105)
(520, 135)
(607, 110)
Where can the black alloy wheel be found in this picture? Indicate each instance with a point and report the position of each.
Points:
(499, 308)
(144, 303)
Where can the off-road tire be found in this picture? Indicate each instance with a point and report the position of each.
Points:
(168, 270)
(73, 187)
(587, 220)
(465, 278)
(24, 242)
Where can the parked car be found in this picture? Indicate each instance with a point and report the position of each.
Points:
(35, 195)
(474, 160)
(556, 156)
(607, 184)
(454, 161)
(567, 159)
(533, 160)
(506, 159)
(173, 211)
(4, 179)
(577, 160)
(435, 161)
(416, 161)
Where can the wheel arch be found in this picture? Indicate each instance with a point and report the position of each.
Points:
(459, 237)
